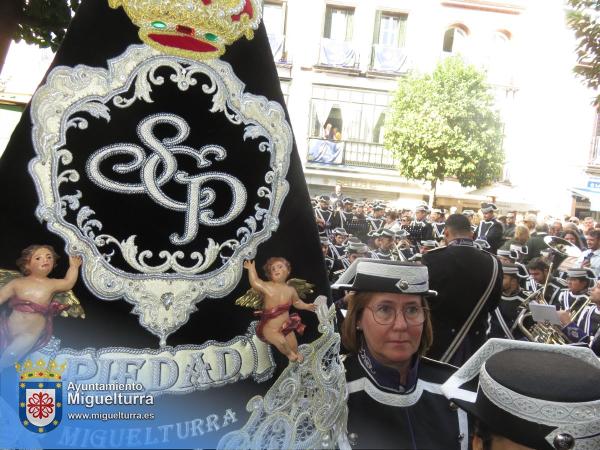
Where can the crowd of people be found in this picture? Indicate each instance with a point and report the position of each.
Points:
(422, 292)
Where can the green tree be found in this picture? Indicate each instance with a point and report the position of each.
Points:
(444, 125)
(41, 22)
(584, 19)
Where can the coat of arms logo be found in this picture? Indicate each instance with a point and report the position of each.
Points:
(40, 395)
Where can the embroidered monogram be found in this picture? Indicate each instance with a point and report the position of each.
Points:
(216, 220)
(198, 197)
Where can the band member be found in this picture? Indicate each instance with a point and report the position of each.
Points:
(469, 214)
(583, 325)
(469, 282)
(403, 246)
(342, 218)
(333, 266)
(354, 250)
(387, 332)
(506, 256)
(503, 321)
(525, 391)
(490, 229)
(538, 270)
(324, 215)
(338, 246)
(358, 225)
(579, 282)
(387, 248)
(376, 220)
(509, 229)
(419, 229)
(438, 222)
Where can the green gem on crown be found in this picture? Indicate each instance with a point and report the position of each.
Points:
(211, 37)
(159, 25)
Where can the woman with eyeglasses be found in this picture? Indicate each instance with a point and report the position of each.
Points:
(394, 391)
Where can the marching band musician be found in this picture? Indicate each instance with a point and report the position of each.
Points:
(586, 326)
(342, 218)
(469, 283)
(394, 391)
(530, 396)
(438, 222)
(469, 214)
(579, 282)
(538, 270)
(333, 265)
(490, 229)
(503, 321)
(338, 246)
(358, 225)
(324, 214)
(419, 229)
(376, 220)
(387, 249)
(403, 246)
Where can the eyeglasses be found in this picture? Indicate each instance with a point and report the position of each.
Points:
(385, 314)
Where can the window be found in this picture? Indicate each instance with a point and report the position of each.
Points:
(388, 43)
(358, 115)
(390, 29)
(455, 39)
(274, 19)
(499, 67)
(338, 23)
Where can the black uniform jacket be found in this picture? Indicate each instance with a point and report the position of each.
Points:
(460, 274)
(491, 231)
(419, 418)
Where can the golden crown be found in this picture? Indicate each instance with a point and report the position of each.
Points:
(196, 29)
(51, 371)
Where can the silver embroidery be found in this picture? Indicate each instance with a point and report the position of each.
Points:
(60, 105)
(306, 407)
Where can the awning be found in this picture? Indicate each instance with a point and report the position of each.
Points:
(592, 196)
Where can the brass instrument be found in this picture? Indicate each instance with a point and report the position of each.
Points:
(547, 333)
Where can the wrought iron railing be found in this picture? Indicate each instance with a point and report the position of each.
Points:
(350, 153)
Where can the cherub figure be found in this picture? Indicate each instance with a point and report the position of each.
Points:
(275, 297)
(33, 300)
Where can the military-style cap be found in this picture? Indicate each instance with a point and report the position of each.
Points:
(537, 395)
(323, 198)
(356, 248)
(488, 207)
(375, 275)
(340, 231)
(580, 272)
(506, 253)
(386, 232)
(429, 244)
(402, 234)
(348, 200)
(522, 249)
(422, 207)
(468, 212)
(378, 207)
(325, 241)
(515, 269)
(373, 234)
(481, 244)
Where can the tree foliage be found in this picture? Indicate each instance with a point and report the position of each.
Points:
(444, 125)
(39, 22)
(584, 19)
(45, 22)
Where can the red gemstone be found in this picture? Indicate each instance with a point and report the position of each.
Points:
(207, 2)
(182, 42)
(185, 30)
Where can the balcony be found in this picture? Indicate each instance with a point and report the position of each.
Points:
(388, 60)
(349, 153)
(338, 55)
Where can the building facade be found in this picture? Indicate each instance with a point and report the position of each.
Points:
(339, 61)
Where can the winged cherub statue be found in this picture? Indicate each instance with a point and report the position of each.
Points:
(274, 298)
(32, 300)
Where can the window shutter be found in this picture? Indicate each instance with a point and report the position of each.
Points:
(349, 25)
(402, 30)
(327, 29)
(377, 27)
